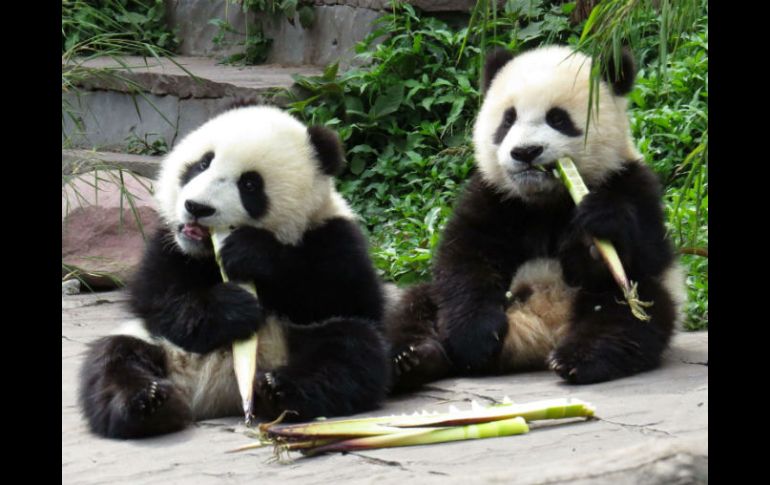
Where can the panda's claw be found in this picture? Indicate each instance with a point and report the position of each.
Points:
(270, 380)
(148, 400)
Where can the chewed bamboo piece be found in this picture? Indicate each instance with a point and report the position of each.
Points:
(505, 419)
(426, 436)
(244, 351)
(569, 174)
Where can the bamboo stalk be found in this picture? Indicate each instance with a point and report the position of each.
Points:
(244, 351)
(504, 419)
(350, 428)
(567, 171)
(425, 436)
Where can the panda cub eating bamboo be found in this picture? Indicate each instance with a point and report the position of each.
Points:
(516, 281)
(319, 304)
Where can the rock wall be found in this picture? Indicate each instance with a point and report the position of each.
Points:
(338, 26)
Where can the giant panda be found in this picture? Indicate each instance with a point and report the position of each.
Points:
(262, 173)
(516, 281)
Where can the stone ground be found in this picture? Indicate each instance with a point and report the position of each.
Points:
(652, 428)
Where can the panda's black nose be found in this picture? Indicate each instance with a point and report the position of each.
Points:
(527, 154)
(198, 210)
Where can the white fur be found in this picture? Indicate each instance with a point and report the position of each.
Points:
(300, 197)
(536, 326)
(207, 380)
(262, 139)
(533, 83)
(673, 281)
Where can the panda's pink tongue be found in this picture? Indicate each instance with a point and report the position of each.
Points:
(193, 230)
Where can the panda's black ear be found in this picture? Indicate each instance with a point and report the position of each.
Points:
(496, 59)
(621, 80)
(328, 148)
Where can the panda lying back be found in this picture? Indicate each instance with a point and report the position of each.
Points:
(264, 174)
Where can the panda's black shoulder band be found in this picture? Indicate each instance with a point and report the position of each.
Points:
(328, 148)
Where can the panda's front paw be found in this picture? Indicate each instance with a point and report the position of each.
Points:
(474, 346)
(250, 254)
(603, 218)
(268, 396)
(596, 359)
(147, 400)
(236, 312)
(418, 363)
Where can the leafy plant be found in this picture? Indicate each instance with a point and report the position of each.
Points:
(142, 22)
(91, 30)
(406, 117)
(143, 146)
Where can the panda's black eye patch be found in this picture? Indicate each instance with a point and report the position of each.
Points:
(509, 118)
(196, 168)
(560, 120)
(251, 186)
(206, 161)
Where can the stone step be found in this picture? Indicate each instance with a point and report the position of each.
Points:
(79, 161)
(163, 99)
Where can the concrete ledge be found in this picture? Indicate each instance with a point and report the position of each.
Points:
(161, 100)
(192, 77)
(79, 161)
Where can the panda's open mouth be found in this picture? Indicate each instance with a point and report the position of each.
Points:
(195, 231)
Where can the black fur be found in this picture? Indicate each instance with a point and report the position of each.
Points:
(509, 118)
(330, 267)
(124, 391)
(560, 120)
(196, 168)
(184, 300)
(326, 286)
(621, 80)
(495, 60)
(328, 148)
(251, 188)
(335, 368)
(489, 237)
(417, 354)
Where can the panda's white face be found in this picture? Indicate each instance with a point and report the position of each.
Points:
(535, 112)
(251, 166)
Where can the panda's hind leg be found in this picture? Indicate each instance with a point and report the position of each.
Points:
(337, 367)
(605, 341)
(416, 353)
(125, 392)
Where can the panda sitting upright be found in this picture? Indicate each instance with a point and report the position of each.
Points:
(262, 173)
(516, 281)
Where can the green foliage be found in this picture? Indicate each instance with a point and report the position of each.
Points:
(144, 146)
(406, 119)
(108, 28)
(93, 29)
(669, 118)
(140, 21)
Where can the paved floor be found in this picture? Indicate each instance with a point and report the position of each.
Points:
(653, 428)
